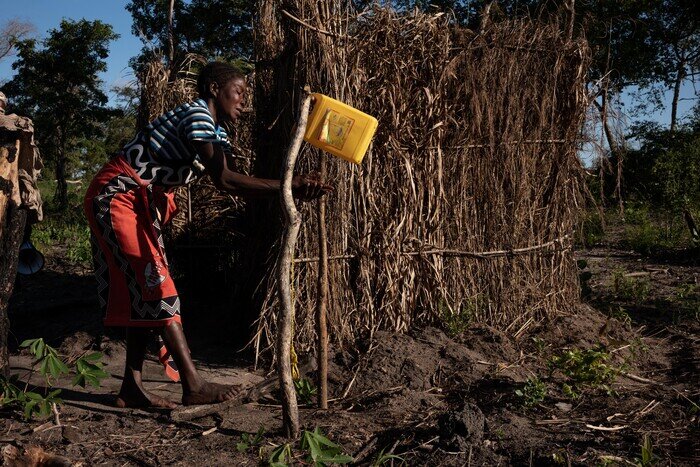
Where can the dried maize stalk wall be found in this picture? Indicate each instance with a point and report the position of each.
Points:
(475, 153)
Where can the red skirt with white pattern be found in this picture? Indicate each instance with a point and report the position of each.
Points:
(125, 216)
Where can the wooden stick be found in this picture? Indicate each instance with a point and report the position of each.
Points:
(307, 25)
(487, 254)
(290, 410)
(321, 306)
(316, 259)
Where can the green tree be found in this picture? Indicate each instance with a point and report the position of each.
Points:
(57, 85)
(674, 35)
(664, 171)
(90, 153)
(212, 28)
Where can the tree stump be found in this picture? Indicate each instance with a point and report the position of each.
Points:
(12, 220)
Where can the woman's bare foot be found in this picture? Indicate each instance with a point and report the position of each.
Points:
(136, 399)
(210, 393)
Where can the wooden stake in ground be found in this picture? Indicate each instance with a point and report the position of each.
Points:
(290, 410)
(322, 305)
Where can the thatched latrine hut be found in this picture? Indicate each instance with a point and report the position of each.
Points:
(464, 208)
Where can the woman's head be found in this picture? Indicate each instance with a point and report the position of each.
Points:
(223, 86)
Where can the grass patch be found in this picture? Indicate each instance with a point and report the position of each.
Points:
(630, 288)
(647, 233)
(67, 228)
(591, 230)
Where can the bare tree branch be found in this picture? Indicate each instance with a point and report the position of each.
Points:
(12, 31)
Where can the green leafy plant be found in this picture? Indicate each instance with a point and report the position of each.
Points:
(305, 390)
(540, 344)
(647, 458)
(9, 390)
(533, 392)
(584, 368)
(64, 230)
(619, 313)
(321, 450)
(88, 369)
(249, 441)
(317, 450)
(280, 456)
(455, 322)
(383, 458)
(50, 364)
(31, 403)
(687, 296)
(36, 404)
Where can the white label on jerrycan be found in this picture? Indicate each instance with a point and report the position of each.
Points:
(335, 129)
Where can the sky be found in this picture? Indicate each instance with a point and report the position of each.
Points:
(47, 14)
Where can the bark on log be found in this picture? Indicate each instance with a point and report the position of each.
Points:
(13, 219)
(290, 410)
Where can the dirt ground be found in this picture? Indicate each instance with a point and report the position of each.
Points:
(426, 397)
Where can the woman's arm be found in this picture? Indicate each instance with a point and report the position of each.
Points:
(217, 164)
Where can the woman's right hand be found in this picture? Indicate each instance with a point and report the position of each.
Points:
(309, 187)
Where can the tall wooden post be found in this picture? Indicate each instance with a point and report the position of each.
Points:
(322, 305)
(290, 410)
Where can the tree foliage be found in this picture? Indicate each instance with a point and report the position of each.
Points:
(57, 84)
(664, 171)
(212, 28)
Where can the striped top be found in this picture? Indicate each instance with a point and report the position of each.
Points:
(162, 153)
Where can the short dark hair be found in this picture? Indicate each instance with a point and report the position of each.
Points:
(216, 72)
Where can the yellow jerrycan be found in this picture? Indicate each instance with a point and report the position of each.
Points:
(339, 129)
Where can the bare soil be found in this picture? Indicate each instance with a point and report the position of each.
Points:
(430, 398)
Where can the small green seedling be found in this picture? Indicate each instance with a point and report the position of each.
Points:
(383, 458)
(248, 441)
(647, 458)
(532, 393)
(305, 390)
(322, 451)
(540, 344)
(280, 456)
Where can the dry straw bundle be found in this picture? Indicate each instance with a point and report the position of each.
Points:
(464, 207)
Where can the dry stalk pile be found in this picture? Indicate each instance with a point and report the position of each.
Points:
(475, 152)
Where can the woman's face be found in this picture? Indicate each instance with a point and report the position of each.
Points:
(229, 99)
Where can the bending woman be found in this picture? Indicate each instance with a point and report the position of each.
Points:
(128, 201)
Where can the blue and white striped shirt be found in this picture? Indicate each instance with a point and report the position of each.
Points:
(163, 154)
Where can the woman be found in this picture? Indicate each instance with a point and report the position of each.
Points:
(128, 201)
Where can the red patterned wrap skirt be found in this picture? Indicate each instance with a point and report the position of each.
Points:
(125, 214)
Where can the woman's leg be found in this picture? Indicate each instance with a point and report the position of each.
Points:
(195, 390)
(132, 392)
